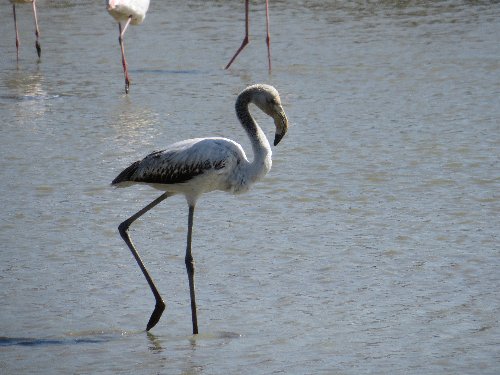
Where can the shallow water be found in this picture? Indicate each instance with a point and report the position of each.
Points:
(371, 247)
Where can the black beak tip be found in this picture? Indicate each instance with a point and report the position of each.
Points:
(277, 138)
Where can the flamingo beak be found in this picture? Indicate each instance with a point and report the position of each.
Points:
(281, 123)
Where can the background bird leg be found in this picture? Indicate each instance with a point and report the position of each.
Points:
(37, 32)
(245, 39)
(17, 33)
(268, 36)
(124, 61)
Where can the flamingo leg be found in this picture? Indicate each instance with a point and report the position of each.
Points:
(17, 33)
(124, 61)
(123, 229)
(245, 39)
(37, 32)
(190, 270)
(268, 36)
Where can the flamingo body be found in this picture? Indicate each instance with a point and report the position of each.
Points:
(192, 167)
(121, 10)
(196, 166)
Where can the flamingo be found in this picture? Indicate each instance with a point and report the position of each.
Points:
(37, 31)
(196, 166)
(131, 12)
(246, 38)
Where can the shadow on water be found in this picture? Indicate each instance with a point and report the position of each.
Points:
(103, 337)
(73, 339)
(24, 341)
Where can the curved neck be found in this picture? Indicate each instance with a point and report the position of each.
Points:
(261, 163)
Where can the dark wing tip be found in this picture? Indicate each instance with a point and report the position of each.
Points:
(126, 174)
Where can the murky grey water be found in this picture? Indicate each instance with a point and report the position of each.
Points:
(371, 247)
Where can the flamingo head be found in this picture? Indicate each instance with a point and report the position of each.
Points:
(267, 98)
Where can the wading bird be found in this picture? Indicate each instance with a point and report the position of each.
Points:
(131, 12)
(37, 31)
(246, 39)
(196, 166)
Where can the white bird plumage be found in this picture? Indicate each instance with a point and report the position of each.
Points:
(196, 166)
(121, 10)
(130, 12)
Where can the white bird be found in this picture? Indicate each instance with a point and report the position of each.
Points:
(37, 31)
(196, 166)
(131, 12)
(246, 39)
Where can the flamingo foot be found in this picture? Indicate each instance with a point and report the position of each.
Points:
(156, 315)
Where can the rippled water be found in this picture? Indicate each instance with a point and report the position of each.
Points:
(371, 247)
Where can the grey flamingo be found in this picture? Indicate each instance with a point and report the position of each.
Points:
(196, 166)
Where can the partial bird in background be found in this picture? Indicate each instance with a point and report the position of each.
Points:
(37, 31)
(246, 39)
(129, 12)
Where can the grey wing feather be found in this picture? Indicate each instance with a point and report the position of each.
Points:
(178, 165)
